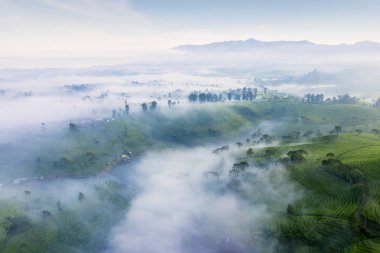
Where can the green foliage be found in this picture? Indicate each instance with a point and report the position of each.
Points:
(345, 187)
(296, 156)
(68, 227)
(35, 239)
(8, 212)
(371, 245)
(325, 233)
(250, 152)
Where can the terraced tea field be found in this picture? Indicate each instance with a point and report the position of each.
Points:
(340, 207)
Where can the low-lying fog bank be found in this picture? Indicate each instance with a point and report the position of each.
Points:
(188, 202)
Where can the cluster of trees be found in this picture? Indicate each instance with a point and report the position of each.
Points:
(336, 167)
(250, 152)
(218, 150)
(342, 99)
(78, 87)
(292, 137)
(311, 98)
(152, 106)
(202, 97)
(244, 94)
(172, 103)
(316, 136)
(296, 156)
(265, 138)
(238, 168)
(103, 95)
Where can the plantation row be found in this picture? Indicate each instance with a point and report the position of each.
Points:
(339, 210)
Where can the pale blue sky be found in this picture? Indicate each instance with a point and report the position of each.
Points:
(122, 27)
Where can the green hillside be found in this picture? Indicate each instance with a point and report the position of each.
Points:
(340, 207)
(337, 172)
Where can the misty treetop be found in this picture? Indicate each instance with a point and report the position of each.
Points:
(244, 94)
(312, 98)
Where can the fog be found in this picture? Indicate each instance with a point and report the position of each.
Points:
(30, 97)
(170, 199)
(180, 207)
(181, 200)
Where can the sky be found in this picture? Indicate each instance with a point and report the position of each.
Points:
(121, 28)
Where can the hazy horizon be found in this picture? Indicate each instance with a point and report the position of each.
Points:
(120, 28)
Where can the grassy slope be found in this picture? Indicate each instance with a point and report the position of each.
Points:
(90, 149)
(331, 217)
(82, 226)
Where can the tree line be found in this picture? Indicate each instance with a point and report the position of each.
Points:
(244, 94)
(311, 98)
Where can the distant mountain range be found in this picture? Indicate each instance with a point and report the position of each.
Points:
(253, 44)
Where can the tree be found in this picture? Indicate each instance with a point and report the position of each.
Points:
(144, 107)
(73, 127)
(250, 152)
(375, 131)
(338, 129)
(153, 105)
(80, 196)
(308, 134)
(238, 168)
(355, 176)
(239, 144)
(46, 214)
(126, 109)
(90, 156)
(332, 162)
(242, 166)
(267, 139)
(234, 172)
(290, 209)
(358, 131)
(359, 190)
(193, 97)
(59, 205)
(297, 155)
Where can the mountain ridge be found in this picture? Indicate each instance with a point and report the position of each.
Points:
(237, 45)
